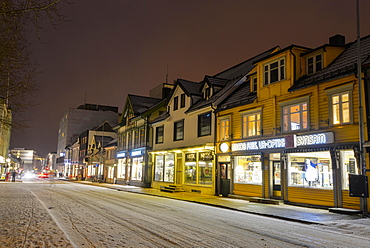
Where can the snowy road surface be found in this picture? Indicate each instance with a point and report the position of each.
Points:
(53, 213)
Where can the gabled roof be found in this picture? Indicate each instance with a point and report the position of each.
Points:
(189, 87)
(103, 140)
(106, 127)
(345, 64)
(231, 79)
(140, 104)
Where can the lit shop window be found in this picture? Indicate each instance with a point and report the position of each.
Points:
(137, 169)
(348, 165)
(199, 168)
(164, 167)
(311, 169)
(248, 169)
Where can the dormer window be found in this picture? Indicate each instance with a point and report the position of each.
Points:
(314, 64)
(253, 84)
(175, 103)
(207, 93)
(274, 71)
(182, 101)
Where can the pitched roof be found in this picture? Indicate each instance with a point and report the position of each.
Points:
(231, 80)
(345, 64)
(189, 87)
(240, 96)
(140, 104)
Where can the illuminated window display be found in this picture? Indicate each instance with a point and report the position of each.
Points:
(248, 169)
(137, 168)
(311, 169)
(199, 171)
(348, 165)
(164, 167)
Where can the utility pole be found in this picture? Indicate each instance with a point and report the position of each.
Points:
(360, 109)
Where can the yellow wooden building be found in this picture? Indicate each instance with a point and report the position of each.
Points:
(291, 130)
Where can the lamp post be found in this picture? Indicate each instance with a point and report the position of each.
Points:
(360, 109)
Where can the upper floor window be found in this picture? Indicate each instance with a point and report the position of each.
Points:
(274, 71)
(253, 84)
(340, 108)
(295, 117)
(251, 124)
(142, 137)
(340, 104)
(207, 93)
(182, 101)
(224, 129)
(175, 103)
(178, 130)
(314, 64)
(159, 135)
(204, 124)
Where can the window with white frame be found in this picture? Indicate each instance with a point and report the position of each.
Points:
(251, 124)
(159, 135)
(295, 114)
(314, 64)
(340, 108)
(204, 124)
(340, 104)
(225, 128)
(178, 130)
(253, 84)
(274, 72)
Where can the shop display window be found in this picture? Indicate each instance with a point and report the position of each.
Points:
(164, 167)
(348, 165)
(205, 173)
(137, 169)
(248, 169)
(311, 169)
(191, 172)
(169, 167)
(158, 173)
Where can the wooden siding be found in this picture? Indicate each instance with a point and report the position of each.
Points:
(248, 190)
(311, 196)
(350, 202)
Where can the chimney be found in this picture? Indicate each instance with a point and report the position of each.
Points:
(337, 40)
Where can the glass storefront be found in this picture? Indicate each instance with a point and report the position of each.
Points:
(198, 168)
(310, 169)
(348, 165)
(137, 169)
(121, 170)
(164, 167)
(248, 169)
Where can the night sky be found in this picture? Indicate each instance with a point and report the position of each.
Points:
(111, 48)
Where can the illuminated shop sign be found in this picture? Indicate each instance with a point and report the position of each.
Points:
(205, 156)
(258, 145)
(314, 139)
(190, 157)
(121, 154)
(136, 153)
(289, 141)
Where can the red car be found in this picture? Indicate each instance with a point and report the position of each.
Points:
(43, 175)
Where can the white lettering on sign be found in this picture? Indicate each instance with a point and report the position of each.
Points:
(258, 145)
(136, 153)
(315, 139)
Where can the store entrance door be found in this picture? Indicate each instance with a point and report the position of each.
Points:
(225, 181)
(276, 178)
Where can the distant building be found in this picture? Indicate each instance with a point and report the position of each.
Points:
(77, 120)
(5, 130)
(28, 158)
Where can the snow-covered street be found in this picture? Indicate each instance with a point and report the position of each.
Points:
(54, 213)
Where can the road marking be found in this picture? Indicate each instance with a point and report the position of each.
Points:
(56, 221)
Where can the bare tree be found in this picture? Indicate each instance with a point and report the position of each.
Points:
(18, 20)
